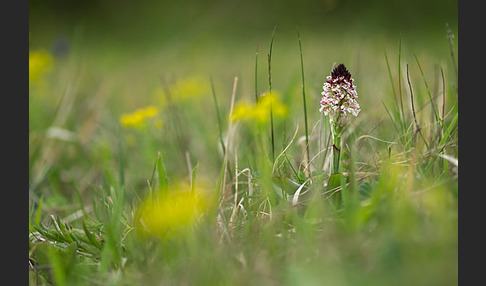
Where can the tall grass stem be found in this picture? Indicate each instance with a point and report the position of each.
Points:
(230, 125)
(218, 117)
(304, 103)
(270, 91)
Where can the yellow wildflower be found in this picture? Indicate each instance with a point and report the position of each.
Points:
(171, 214)
(241, 111)
(261, 111)
(40, 62)
(138, 118)
(190, 87)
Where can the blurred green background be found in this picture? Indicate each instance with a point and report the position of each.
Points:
(208, 27)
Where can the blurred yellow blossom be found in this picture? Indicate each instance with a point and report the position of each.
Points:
(241, 111)
(138, 118)
(260, 112)
(172, 212)
(181, 90)
(190, 87)
(40, 62)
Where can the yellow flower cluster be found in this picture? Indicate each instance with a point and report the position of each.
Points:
(190, 87)
(261, 111)
(40, 62)
(171, 214)
(184, 89)
(138, 118)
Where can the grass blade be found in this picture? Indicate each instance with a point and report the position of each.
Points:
(450, 36)
(397, 128)
(218, 116)
(304, 103)
(222, 175)
(443, 96)
(448, 133)
(400, 118)
(417, 126)
(270, 91)
(162, 180)
(38, 212)
(434, 109)
(256, 76)
(193, 177)
(400, 83)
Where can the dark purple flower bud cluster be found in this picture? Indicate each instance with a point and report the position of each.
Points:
(341, 72)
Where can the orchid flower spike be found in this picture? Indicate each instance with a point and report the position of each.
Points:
(339, 95)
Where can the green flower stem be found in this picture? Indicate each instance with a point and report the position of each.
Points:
(336, 146)
(336, 154)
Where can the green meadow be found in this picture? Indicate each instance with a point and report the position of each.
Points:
(182, 144)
